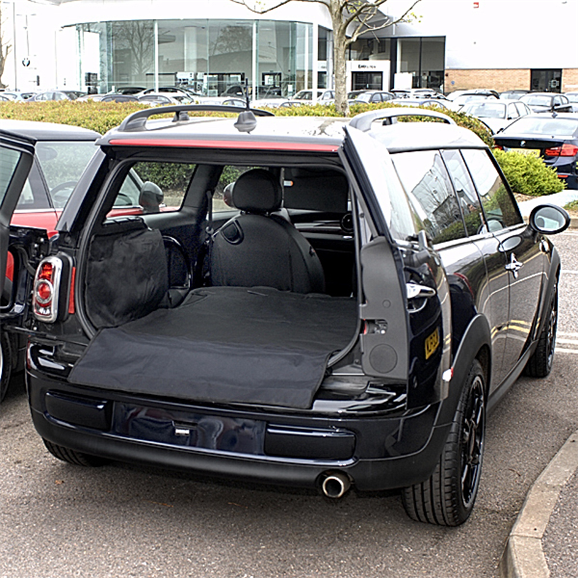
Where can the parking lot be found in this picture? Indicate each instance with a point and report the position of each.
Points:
(57, 520)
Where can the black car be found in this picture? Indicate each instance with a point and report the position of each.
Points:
(318, 302)
(547, 102)
(552, 137)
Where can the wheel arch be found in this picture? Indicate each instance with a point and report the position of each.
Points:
(553, 278)
(476, 343)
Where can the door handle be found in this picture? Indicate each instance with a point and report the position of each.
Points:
(414, 292)
(514, 266)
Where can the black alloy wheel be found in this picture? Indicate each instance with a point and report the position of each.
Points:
(447, 498)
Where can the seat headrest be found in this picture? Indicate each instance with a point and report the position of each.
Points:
(258, 191)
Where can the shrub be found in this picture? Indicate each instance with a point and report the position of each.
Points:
(528, 174)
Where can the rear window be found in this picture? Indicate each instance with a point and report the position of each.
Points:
(547, 126)
(487, 110)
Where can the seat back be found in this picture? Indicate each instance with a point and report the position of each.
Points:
(259, 248)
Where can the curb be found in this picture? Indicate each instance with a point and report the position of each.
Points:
(523, 556)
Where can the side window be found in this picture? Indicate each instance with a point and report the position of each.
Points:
(465, 191)
(152, 187)
(222, 196)
(9, 159)
(512, 111)
(497, 202)
(428, 186)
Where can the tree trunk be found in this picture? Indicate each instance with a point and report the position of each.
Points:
(339, 56)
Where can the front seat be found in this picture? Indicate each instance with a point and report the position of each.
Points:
(259, 248)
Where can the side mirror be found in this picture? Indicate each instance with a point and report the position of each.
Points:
(150, 198)
(549, 219)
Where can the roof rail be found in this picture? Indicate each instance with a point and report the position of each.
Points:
(364, 121)
(137, 120)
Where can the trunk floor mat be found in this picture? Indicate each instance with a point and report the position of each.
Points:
(224, 345)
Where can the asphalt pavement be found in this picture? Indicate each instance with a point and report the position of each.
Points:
(542, 542)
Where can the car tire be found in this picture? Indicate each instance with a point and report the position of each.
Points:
(73, 457)
(447, 497)
(6, 363)
(541, 361)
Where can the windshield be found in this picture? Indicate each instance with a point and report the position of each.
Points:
(486, 110)
(62, 164)
(364, 96)
(537, 100)
(544, 126)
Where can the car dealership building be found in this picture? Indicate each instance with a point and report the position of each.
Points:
(211, 46)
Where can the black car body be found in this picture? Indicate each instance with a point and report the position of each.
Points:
(342, 317)
(547, 102)
(552, 137)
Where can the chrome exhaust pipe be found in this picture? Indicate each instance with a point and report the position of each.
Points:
(335, 485)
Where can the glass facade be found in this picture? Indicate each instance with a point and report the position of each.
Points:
(216, 57)
(213, 57)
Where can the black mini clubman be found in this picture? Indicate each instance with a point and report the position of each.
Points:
(315, 302)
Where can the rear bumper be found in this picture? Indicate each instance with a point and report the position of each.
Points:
(376, 452)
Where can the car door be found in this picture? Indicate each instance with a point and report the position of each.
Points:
(405, 305)
(24, 243)
(16, 158)
(514, 257)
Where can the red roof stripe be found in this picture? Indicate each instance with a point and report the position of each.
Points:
(234, 144)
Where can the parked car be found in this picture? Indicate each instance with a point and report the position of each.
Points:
(308, 95)
(369, 96)
(328, 303)
(495, 114)
(552, 137)
(10, 95)
(131, 90)
(74, 94)
(180, 94)
(513, 94)
(157, 99)
(114, 97)
(573, 98)
(413, 102)
(49, 95)
(466, 98)
(547, 102)
(481, 91)
(62, 152)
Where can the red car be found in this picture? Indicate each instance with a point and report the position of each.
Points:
(62, 152)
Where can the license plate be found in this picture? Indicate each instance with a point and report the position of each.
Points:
(527, 152)
(432, 342)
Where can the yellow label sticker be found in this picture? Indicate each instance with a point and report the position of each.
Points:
(432, 342)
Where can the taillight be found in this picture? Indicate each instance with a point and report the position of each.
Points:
(47, 289)
(566, 150)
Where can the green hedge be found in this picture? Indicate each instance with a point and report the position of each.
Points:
(102, 116)
(528, 174)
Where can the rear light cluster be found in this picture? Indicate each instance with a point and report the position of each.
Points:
(47, 289)
(566, 150)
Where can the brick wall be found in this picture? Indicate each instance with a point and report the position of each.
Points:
(502, 79)
(499, 80)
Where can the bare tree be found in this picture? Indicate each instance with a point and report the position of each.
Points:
(354, 16)
(139, 38)
(4, 49)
